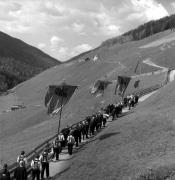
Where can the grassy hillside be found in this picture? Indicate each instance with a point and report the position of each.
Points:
(137, 144)
(145, 30)
(26, 128)
(20, 61)
(159, 48)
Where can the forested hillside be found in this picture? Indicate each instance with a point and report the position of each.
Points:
(20, 61)
(143, 31)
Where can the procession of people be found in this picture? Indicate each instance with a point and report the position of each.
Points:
(69, 137)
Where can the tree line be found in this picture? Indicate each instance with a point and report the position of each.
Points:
(143, 31)
(13, 72)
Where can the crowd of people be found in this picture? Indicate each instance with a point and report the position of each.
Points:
(69, 136)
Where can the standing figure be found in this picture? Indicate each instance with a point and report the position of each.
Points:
(65, 132)
(36, 166)
(61, 140)
(22, 157)
(105, 116)
(56, 148)
(20, 172)
(70, 143)
(92, 125)
(136, 99)
(75, 133)
(79, 128)
(44, 159)
(84, 129)
(5, 175)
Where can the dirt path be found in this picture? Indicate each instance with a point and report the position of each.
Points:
(167, 39)
(58, 167)
(150, 63)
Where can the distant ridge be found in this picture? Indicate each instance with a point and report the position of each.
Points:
(20, 61)
(145, 30)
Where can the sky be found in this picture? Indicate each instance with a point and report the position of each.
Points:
(66, 28)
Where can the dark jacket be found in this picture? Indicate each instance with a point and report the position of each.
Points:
(5, 175)
(20, 173)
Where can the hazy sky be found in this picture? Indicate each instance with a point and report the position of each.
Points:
(65, 28)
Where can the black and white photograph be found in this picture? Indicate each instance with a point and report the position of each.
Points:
(87, 89)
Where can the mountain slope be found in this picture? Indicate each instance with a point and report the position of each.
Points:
(137, 144)
(26, 128)
(20, 61)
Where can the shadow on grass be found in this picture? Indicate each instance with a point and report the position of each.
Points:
(104, 136)
(66, 159)
(57, 175)
(83, 146)
(126, 113)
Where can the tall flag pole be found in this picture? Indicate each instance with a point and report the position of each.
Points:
(138, 63)
(135, 71)
(59, 122)
(56, 97)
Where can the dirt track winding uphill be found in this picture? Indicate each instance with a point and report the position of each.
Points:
(158, 42)
(149, 62)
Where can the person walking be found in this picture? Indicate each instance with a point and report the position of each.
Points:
(5, 175)
(65, 133)
(36, 166)
(70, 143)
(44, 159)
(61, 140)
(22, 157)
(56, 148)
(20, 172)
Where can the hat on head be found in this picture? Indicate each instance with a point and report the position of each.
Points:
(22, 152)
(5, 166)
(37, 155)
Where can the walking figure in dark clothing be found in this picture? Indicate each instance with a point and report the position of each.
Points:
(56, 148)
(36, 165)
(44, 164)
(20, 172)
(70, 143)
(5, 175)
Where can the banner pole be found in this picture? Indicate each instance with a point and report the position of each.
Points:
(59, 122)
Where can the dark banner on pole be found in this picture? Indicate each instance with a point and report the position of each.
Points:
(122, 84)
(100, 86)
(57, 96)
